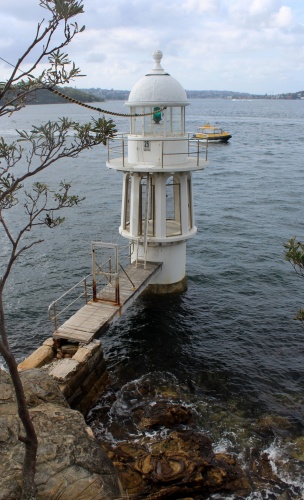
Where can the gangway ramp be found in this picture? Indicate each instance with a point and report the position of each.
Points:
(93, 318)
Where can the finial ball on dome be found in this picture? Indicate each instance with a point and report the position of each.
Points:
(157, 56)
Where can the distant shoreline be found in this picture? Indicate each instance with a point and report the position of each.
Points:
(112, 94)
(90, 95)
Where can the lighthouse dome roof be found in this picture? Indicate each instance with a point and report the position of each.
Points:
(157, 87)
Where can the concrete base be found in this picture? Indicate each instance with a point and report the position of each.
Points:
(159, 289)
(173, 259)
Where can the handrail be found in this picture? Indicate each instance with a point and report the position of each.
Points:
(108, 275)
(55, 302)
(125, 272)
(120, 148)
(111, 275)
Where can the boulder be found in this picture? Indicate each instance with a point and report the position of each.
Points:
(70, 462)
(180, 465)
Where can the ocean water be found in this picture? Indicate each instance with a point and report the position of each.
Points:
(230, 341)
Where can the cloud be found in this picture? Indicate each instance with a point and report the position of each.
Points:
(202, 40)
(20, 9)
(201, 6)
(283, 18)
(259, 8)
(257, 14)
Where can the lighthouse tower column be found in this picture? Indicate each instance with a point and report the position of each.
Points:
(157, 202)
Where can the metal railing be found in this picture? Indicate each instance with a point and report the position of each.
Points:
(102, 285)
(118, 148)
(105, 272)
(53, 311)
(198, 146)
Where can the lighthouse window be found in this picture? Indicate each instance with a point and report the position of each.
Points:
(176, 120)
(173, 206)
(141, 120)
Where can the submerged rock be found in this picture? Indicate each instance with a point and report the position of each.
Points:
(272, 423)
(162, 414)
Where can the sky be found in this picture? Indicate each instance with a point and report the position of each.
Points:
(254, 46)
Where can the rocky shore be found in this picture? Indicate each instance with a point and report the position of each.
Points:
(154, 452)
(70, 463)
(151, 431)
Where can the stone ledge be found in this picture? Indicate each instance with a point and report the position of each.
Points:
(49, 342)
(43, 355)
(84, 353)
(64, 369)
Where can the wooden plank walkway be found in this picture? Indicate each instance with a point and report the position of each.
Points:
(89, 321)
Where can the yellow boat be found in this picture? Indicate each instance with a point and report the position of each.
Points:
(212, 133)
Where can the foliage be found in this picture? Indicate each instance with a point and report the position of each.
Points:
(22, 82)
(295, 255)
(33, 152)
(37, 150)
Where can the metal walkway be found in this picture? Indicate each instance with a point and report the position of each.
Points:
(89, 321)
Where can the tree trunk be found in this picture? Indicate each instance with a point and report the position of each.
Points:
(30, 438)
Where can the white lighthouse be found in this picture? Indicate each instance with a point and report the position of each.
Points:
(157, 159)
